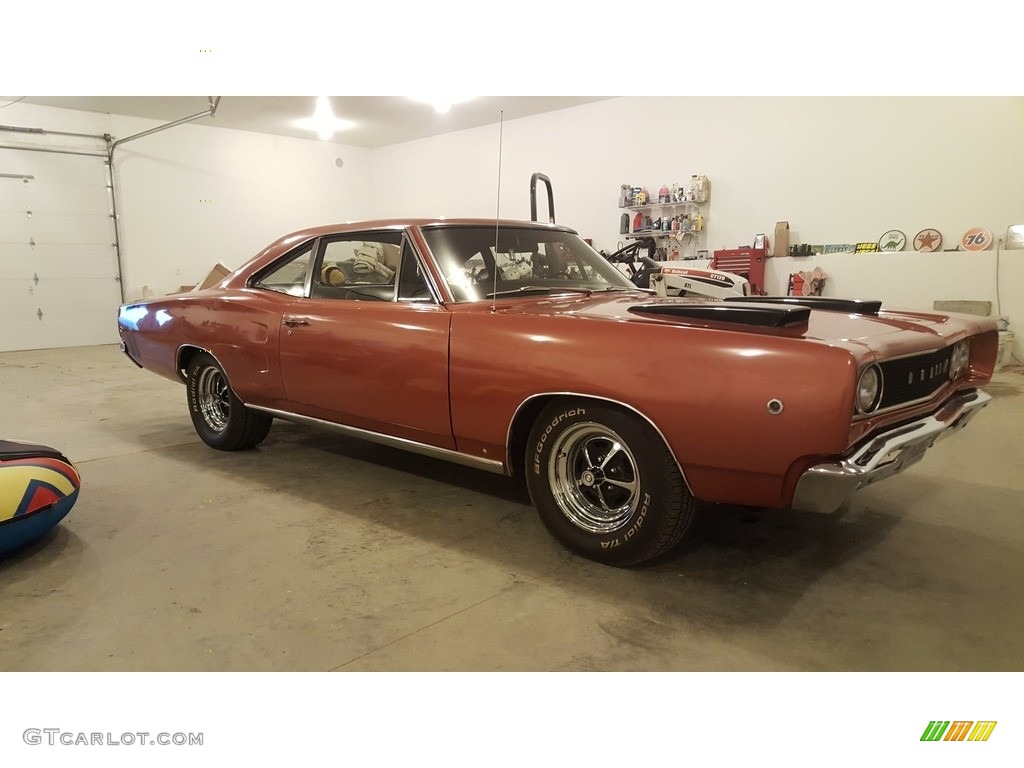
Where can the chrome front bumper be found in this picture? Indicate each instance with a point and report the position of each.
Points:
(824, 487)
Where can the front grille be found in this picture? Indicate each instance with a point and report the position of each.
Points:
(914, 378)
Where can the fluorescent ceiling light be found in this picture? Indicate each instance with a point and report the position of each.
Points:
(323, 120)
(442, 103)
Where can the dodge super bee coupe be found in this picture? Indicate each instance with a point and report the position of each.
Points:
(514, 347)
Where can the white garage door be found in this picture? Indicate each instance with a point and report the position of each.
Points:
(58, 266)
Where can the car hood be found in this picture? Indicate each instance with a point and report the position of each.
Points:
(884, 332)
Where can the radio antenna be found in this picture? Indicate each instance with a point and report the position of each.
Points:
(497, 214)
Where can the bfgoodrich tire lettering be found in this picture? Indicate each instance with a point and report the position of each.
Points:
(605, 484)
(219, 417)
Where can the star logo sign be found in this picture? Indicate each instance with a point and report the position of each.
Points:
(927, 240)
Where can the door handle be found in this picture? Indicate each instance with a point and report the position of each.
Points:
(291, 322)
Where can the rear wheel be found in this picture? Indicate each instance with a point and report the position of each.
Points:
(219, 417)
(605, 484)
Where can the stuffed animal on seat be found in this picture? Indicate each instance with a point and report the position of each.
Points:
(366, 266)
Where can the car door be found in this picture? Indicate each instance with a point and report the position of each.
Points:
(368, 347)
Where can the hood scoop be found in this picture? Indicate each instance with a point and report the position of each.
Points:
(762, 315)
(850, 306)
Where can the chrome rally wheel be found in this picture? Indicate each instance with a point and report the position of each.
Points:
(219, 417)
(594, 478)
(214, 401)
(605, 483)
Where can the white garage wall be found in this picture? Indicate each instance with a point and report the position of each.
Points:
(840, 170)
(195, 195)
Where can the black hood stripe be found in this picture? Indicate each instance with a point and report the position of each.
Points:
(761, 315)
(853, 306)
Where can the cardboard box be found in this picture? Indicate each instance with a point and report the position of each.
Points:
(978, 308)
(214, 276)
(781, 238)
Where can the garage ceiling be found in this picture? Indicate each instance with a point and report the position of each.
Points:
(380, 120)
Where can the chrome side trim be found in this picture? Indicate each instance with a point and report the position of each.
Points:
(422, 449)
(824, 487)
(645, 417)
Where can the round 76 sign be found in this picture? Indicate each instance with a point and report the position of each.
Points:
(976, 239)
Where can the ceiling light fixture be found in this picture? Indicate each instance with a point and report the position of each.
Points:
(323, 120)
(442, 104)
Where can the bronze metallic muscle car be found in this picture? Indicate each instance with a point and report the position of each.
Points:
(514, 347)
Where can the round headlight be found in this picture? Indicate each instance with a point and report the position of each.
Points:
(869, 389)
(960, 358)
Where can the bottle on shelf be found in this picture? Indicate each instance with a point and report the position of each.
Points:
(671, 213)
(698, 191)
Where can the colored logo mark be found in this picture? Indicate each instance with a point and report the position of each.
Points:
(958, 730)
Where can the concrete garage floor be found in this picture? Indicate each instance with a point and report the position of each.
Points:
(316, 552)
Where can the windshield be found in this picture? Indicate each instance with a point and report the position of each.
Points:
(529, 260)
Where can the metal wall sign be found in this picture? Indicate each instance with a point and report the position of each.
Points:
(1015, 236)
(976, 239)
(893, 240)
(927, 240)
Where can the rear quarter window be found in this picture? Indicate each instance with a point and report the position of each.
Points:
(288, 276)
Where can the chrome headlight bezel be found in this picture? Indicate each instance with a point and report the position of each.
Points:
(868, 394)
(959, 359)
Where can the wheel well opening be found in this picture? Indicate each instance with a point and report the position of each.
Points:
(527, 415)
(519, 434)
(185, 355)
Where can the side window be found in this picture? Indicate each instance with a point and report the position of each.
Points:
(412, 283)
(358, 267)
(289, 277)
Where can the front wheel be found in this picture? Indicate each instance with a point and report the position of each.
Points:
(220, 418)
(605, 484)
